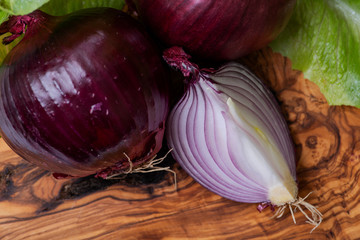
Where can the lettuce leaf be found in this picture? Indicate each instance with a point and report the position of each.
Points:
(323, 40)
(62, 7)
(20, 7)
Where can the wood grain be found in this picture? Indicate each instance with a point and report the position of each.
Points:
(33, 205)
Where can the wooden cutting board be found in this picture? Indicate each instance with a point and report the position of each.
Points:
(33, 205)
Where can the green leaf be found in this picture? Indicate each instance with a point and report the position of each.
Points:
(3, 16)
(62, 7)
(323, 40)
(20, 7)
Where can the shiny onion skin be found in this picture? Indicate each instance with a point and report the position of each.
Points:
(215, 29)
(228, 133)
(82, 93)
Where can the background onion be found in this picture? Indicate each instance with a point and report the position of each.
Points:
(82, 90)
(213, 29)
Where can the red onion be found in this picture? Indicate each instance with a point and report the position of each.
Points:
(228, 133)
(82, 93)
(213, 29)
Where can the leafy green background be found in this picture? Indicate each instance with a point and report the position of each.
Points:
(323, 40)
(53, 7)
(61, 7)
(20, 7)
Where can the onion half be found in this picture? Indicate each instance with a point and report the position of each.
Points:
(229, 134)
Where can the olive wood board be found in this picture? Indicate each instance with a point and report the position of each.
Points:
(34, 205)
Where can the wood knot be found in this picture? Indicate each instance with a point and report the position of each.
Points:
(311, 142)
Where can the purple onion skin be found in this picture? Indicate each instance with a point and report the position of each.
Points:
(81, 90)
(214, 29)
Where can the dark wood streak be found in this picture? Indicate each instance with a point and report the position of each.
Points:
(41, 214)
(6, 183)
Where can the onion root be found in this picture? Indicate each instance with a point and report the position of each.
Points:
(316, 216)
(150, 166)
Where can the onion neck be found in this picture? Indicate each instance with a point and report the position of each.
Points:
(177, 58)
(18, 25)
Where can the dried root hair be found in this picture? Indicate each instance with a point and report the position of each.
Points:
(315, 218)
(149, 166)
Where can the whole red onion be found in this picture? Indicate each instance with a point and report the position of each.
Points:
(82, 93)
(213, 29)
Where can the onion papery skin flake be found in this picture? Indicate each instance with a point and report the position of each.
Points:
(229, 134)
(82, 93)
(213, 29)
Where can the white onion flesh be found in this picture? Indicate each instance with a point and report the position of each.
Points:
(228, 133)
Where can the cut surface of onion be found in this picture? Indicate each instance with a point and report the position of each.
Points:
(229, 134)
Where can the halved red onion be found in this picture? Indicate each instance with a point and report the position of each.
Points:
(229, 134)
